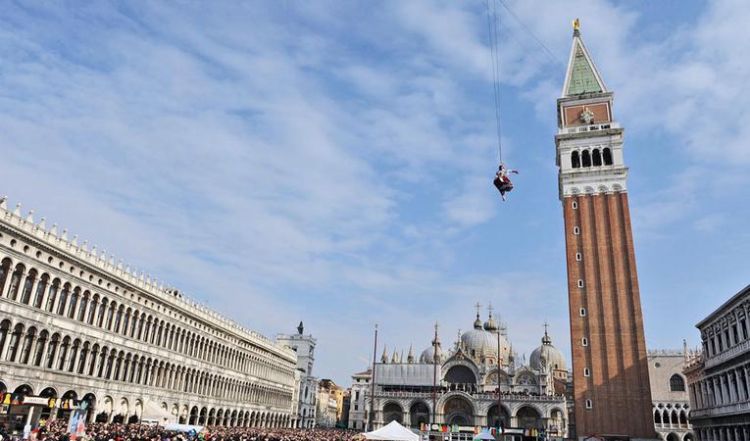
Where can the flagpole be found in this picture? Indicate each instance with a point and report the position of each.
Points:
(499, 408)
(371, 415)
(434, 375)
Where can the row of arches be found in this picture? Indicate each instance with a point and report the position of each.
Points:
(671, 418)
(591, 157)
(30, 345)
(122, 410)
(459, 410)
(39, 289)
(234, 418)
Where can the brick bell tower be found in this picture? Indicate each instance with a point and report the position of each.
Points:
(610, 370)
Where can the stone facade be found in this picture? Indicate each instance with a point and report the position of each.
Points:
(359, 402)
(76, 326)
(330, 403)
(467, 379)
(610, 369)
(719, 376)
(669, 396)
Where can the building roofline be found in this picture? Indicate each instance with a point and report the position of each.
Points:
(715, 313)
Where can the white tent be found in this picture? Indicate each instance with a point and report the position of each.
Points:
(393, 431)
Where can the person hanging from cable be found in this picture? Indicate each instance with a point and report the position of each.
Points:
(502, 180)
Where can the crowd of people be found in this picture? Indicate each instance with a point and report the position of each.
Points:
(58, 431)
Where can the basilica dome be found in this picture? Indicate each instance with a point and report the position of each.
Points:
(547, 356)
(483, 340)
(428, 357)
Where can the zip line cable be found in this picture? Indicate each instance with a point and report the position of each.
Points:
(528, 30)
(493, 23)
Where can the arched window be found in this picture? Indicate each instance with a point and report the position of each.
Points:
(110, 315)
(4, 270)
(118, 319)
(15, 281)
(63, 299)
(73, 354)
(586, 158)
(82, 309)
(677, 383)
(27, 345)
(52, 294)
(575, 159)
(92, 360)
(15, 340)
(126, 322)
(657, 417)
(73, 303)
(102, 361)
(597, 157)
(40, 288)
(82, 358)
(27, 286)
(63, 353)
(102, 313)
(92, 309)
(39, 351)
(607, 155)
(4, 329)
(52, 350)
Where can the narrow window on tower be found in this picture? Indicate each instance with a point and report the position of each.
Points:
(597, 157)
(607, 156)
(586, 372)
(575, 160)
(576, 230)
(584, 341)
(583, 312)
(578, 257)
(589, 404)
(574, 205)
(586, 158)
(580, 283)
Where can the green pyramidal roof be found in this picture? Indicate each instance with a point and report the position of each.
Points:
(582, 77)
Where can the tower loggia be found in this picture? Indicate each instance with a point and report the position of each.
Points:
(610, 370)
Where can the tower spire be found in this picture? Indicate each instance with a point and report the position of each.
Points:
(582, 76)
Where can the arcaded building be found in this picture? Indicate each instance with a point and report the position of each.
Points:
(81, 329)
(719, 377)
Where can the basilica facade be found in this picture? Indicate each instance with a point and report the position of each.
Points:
(79, 331)
(477, 382)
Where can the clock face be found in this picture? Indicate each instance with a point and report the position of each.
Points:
(587, 116)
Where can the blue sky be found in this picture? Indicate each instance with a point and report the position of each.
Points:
(331, 161)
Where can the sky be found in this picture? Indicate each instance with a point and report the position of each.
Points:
(331, 162)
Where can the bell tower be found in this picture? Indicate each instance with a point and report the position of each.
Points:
(610, 371)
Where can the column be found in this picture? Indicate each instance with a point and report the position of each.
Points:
(732, 389)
